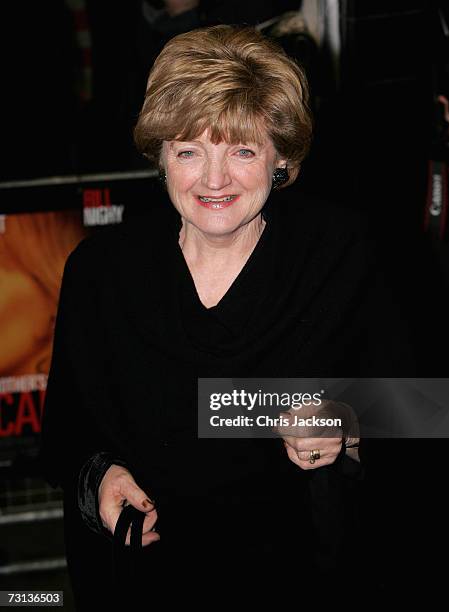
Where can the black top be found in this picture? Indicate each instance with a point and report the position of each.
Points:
(132, 337)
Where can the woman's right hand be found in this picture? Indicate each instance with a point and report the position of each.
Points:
(117, 487)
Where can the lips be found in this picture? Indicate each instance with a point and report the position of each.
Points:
(217, 203)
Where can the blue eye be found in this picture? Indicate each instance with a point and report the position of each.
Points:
(245, 153)
(185, 154)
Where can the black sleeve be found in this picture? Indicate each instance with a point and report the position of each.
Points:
(89, 481)
(76, 431)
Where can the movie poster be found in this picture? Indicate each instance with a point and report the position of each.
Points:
(33, 251)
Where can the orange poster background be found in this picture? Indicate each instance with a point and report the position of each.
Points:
(33, 251)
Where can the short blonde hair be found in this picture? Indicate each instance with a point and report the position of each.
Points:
(233, 81)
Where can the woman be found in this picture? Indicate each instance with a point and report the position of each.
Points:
(229, 281)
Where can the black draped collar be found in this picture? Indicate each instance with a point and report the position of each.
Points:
(221, 326)
(259, 298)
(302, 246)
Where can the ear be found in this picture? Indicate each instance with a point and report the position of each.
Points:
(281, 163)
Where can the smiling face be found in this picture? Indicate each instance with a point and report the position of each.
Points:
(219, 188)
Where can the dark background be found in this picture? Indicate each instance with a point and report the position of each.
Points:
(376, 130)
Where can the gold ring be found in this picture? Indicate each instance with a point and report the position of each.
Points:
(314, 455)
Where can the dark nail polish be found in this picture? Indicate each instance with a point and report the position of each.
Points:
(148, 504)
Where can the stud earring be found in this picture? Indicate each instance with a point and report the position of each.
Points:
(280, 176)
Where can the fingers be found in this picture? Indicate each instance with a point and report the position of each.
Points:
(133, 494)
(305, 455)
(301, 456)
(150, 538)
(311, 428)
(118, 488)
(299, 426)
(327, 419)
(324, 445)
(148, 535)
(305, 464)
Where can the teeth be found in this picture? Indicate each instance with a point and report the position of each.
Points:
(228, 199)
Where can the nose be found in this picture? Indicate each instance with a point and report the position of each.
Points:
(216, 175)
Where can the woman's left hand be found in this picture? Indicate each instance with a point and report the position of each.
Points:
(326, 441)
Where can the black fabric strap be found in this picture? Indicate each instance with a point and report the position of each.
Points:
(126, 561)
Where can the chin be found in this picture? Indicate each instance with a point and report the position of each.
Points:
(217, 227)
(216, 223)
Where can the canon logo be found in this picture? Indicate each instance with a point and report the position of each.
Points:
(437, 192)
